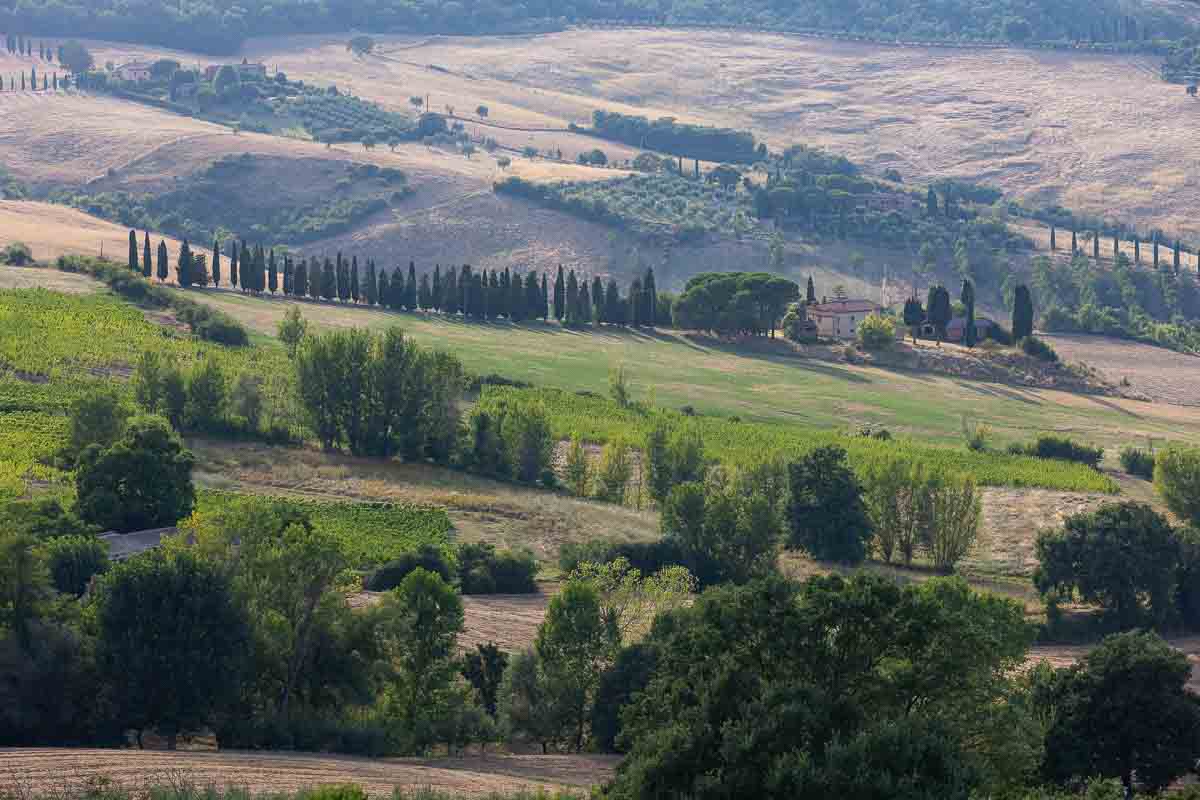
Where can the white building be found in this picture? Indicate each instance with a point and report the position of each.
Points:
(135, 71)
(839, 319)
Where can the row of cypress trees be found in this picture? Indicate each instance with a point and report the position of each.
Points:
(1155, 244)
(48, 82)
(477, 294)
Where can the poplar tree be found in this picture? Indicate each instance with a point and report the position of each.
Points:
(545, 301)
(133, 252)
(162, 260)
(372, 286)
(559, 295)
(233, 263)
(183, 269)
(649, 313)
(216, 264)
(147, 261)
(272, 273)
(410, 287)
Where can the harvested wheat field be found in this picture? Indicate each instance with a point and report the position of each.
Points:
(1160, 374)
(509, 621)
(52, 230)
(1091, 132)
(472, 776)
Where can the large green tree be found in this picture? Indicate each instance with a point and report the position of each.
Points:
(171, 642)
(827, 515)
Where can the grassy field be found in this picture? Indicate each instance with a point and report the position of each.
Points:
(766, 384)
(369, 533)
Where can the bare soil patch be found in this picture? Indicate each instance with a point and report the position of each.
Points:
(1160, 374)
(471, 776)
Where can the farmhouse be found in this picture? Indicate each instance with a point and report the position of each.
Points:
(838, 319)
(957, 329)
(134, 71)
(245, 70)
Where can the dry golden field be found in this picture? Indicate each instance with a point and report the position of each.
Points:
(52, 230)
(50, 769)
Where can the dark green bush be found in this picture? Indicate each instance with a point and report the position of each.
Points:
(74, 560)
(483, 570)
(1036, 348)
(648, 557)
(1137, 462)
(393, 573)
(1065, 449)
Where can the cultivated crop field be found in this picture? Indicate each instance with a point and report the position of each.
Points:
(1091, 132)
(766, 384)
(48, 769)
(1158, 373)
(369, 534)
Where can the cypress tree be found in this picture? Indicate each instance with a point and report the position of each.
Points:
(147, 261)
(533, 295)
(931, 202)
(811, 295)
(133, 252)
(559, 294)
(287, 275)
(571, 300)
(1156, 250)
(216, 264)
(396, 288)
(635, 303)
(435, 297)
(162, 260)
(300, 279)
(384, 286)
(1137, 249)
(372, 284)
(354, 283)
(272, 273)
(493, 293)
(1116, 246)
(1022, 317)
(1074, 243)
(516, 299)
(183, 269)
(233, 263)
(612, 301)
(464, 290)
(503, 302)
(598, 301)
(1053, 239)
(1096, 245)
(545, 304)
(426, 297)
(313, 279)
(649, 313)
(452, 294)
(584, 311)
(968, 300)
(328, 281)
(22, 81)
(1176, 258)
(410, 287)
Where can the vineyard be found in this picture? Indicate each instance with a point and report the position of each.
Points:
(370, 534)
(55, 346)
(745, 444)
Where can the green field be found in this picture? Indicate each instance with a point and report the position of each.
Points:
(370, 533)
(770, 384)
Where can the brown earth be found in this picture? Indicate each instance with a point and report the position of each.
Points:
(1157, 373)
(51, 769)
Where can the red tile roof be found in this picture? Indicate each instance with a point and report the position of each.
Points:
(845, 307)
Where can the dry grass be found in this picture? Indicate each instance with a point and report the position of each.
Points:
(482, 510)
(1098, 133)
(53, 230)
(1061, 655)
(469, 776)
(1160, 374)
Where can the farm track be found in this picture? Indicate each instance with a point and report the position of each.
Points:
(48, 769)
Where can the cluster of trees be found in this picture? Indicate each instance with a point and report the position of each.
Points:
(49, 82)
(666, 135)
(729, 303)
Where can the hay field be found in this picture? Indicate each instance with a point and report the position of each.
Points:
(1157, 373)
(1099, 133)
(23, 770)
(52, 230)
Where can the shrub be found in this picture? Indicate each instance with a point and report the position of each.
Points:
(16, 254)
(1137, 462)
(876, 332)
(74, 560)
(1177, 478)
(1061, 448)
(1036, 348)
(482, 570)
(393, 573)
(647, 557)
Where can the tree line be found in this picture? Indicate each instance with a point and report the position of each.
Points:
(666, 135)
(477, 294)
